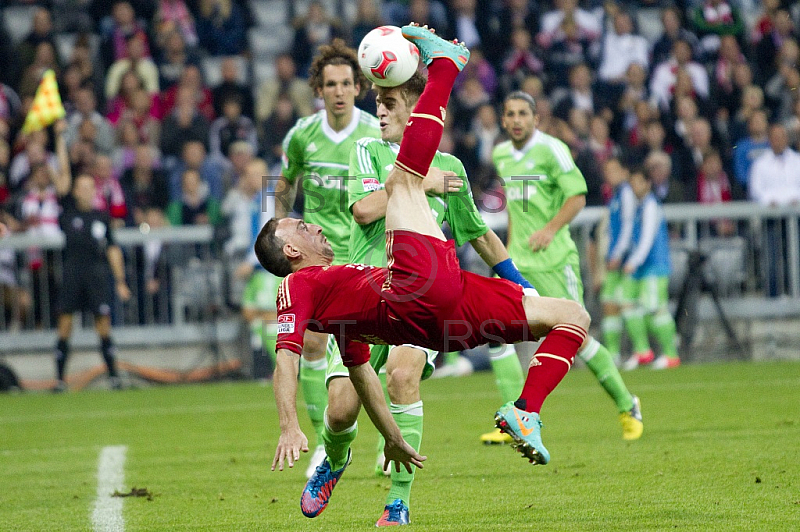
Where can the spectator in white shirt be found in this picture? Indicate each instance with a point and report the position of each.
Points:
(775, 175)
(664, 75)
(622, 48)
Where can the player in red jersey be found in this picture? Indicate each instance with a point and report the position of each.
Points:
(422, 296)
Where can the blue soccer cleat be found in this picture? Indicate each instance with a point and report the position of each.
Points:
(320, 486)
(525, 429)
(394, 514)
(432, 46)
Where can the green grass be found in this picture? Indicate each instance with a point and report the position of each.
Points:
(721, 451)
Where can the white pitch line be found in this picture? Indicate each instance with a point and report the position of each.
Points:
(107, 514)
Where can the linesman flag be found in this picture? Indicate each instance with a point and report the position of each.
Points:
(46, 107)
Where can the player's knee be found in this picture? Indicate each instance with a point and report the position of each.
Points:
(575, 314)
(401, 379)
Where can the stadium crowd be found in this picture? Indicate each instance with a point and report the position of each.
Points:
(695, 90)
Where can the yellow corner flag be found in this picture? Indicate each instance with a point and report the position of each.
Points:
(46, 107)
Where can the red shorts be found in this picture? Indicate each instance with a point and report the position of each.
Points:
(429, 301)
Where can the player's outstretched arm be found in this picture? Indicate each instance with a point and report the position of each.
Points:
(292, 440)
(369, 390)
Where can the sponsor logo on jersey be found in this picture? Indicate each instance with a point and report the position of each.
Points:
(286, 324)
(371, 184)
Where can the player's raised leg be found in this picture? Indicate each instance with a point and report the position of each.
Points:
(565, 323)
(407, 206)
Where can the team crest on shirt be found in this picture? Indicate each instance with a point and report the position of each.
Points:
(286, 324)
(371, 184)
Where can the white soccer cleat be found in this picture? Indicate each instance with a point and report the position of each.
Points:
(316, 460)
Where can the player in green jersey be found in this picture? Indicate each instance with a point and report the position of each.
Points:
(450, 200)
(316, 157)
(544, 192)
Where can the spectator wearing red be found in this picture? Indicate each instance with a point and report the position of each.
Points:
(122, 104)
(123, 25)
(108, 192)
(175, 15)
(193, 79)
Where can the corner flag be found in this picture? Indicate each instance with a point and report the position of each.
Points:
(46, 107)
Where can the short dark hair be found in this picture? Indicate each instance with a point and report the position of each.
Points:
(269, 250)
(640, 169)
(524, 96)
(411, 90)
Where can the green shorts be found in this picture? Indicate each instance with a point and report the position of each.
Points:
(261, 291)
(564, 282)
(377, 359)
(650, 293)
(613, 291)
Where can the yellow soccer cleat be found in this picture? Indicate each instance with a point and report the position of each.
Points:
(496, 437)
(632, 426)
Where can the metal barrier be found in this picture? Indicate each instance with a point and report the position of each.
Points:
(181, 287)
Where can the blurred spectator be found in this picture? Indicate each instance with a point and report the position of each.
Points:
(652, 138)
(466, 102)
(634, 90)
(286, 83)
(192, 78)
(109, 197)
(230, 127)
(240, 154)
(368, 17)
(124, 154)
(275, 128)
(769, 47)
(430, 12)
(45, 59)
(478, 68)
(237, 209)
(119, 29)
(621, 48)
(464, 22)
(173, 15)
(140, 112)
(688, 159)
(122, 104)
(10, 105)
(674, 30)
(194, 157)
(662, 83)
(713, 186)
(520, 61)
(752, 100)
(27, 50)
(600, 143)
(775, 182)
(195, 206)
(658, 166)
(311, 31)
(766, 20)
(715, 18)
(33, 155)
(568, 50)
(781, 89)
(144, 186)
(579, 95)
(183, 124)
(135, 61)
(173, 59)
(221, 27)
(589, 26)
(231, 86)
(487, 132)
(82, 154)
(792, 125)
(533, 85)
(84, 58)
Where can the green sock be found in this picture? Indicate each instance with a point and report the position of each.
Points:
(599, 361)
(662, 326)
(451, 357)
(507, 372)
(337, 444)
(312, 381)
(381, 441)
(409, 420)
(612, 334)
(637, 329)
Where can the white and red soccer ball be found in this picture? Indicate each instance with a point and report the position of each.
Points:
(386, 57)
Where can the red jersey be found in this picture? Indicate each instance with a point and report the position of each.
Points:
(424, 298)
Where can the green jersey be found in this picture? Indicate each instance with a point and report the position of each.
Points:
(320, 156)
(538, 179)
(370, 163)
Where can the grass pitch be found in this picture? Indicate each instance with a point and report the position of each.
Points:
(720, 451)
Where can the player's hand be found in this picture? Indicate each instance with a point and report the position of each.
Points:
(289, 446)
(541, 239)
(438, 181)
(402, 453)
(123, 291)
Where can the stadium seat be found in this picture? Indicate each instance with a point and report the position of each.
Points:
(268, 43)
(270, 13)
(212, 70)
(263, 70)
(18, 21)
(725, 263)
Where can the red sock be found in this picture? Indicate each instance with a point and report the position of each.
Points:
(423, 132)
(554, 357)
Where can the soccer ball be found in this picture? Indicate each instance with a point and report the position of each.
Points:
(386, 57)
